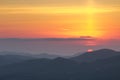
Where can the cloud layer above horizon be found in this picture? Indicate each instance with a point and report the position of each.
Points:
(60, 46)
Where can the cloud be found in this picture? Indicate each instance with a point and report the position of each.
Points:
(82, 38)
(109, 2)
(40, 2)
(57, 2)
(63, 46)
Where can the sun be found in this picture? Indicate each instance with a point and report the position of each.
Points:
(90, 50)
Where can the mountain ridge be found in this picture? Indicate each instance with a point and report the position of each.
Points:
(95, 55)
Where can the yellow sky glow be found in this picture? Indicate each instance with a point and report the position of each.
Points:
(55, 10)
(65, 21)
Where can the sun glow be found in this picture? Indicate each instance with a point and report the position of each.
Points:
(90, 27)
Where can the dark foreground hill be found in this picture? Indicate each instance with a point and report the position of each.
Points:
(40, 69)
(62, 69)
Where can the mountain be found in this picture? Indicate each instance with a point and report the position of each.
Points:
(45, 55)
(103, 67)
(7, 57)
(10, 59)
(40, 69)
(13, 53)
(62, 69)
(106, 69)
(41, 55)
(95, 55)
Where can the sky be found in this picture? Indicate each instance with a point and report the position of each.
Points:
(68, 21)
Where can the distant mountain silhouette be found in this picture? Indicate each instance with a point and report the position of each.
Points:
(95, 55)
(45, 55)
(10, 59)
(13, 53)
(41, 55)
(107, 68)
(7, 57)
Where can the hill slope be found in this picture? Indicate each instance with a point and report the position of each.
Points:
(62, 69)
(95, 55)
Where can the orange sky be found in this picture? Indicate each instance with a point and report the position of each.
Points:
(93, 18)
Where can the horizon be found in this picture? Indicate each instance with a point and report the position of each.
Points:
(59, 55)
(59, 46)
